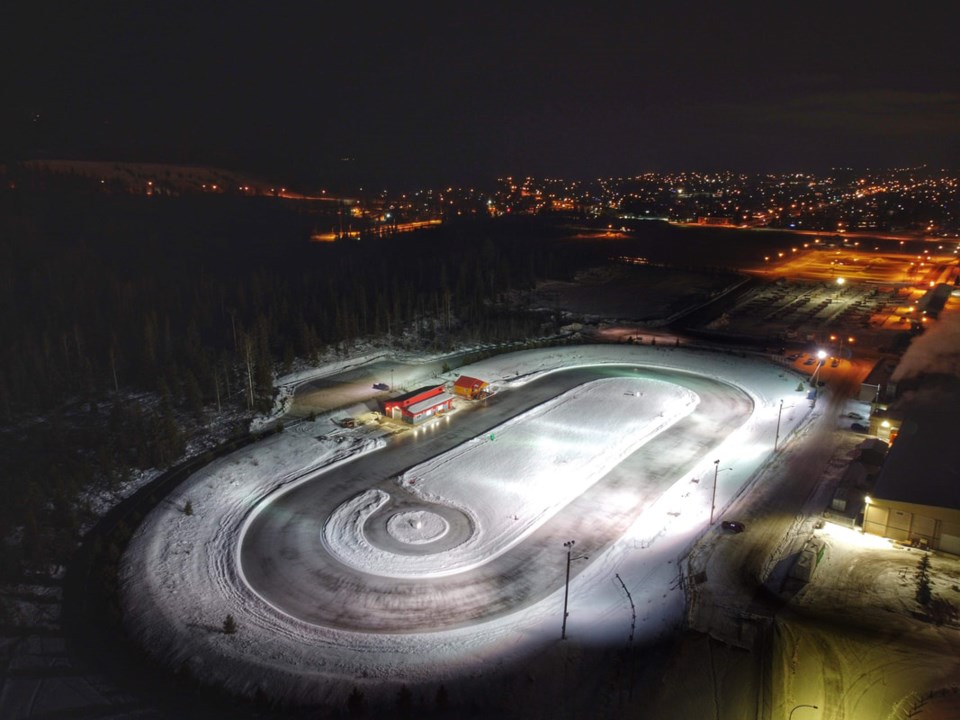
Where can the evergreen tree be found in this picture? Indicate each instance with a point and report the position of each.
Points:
(924, 591)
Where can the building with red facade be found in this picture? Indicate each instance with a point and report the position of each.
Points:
(419, 405)
(469, 387)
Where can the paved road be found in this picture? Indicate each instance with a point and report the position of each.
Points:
(284, 560)
(732, 604)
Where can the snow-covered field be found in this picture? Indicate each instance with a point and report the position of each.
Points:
(511, 481)
(181, 573)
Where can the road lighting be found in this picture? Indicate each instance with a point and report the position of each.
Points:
(776, 439)
(713, 498)
(797, 707)
(850, 340)
(566, 587)
(821, 356)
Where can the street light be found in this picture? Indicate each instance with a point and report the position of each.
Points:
(850, 340)
(566, 587)
(797, 707)
(821, 356)
(776, 439)
(713, 499)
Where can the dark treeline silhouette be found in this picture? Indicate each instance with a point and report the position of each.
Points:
(122, 314)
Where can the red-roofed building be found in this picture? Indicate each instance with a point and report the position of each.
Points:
(469, 387)
(419, 405)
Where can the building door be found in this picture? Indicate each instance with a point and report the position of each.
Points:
(950, 543)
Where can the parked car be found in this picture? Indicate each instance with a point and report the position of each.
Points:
(854, 416)
(795, 356)
(859, 427)
(733, 526)
(834, 363)
(381, 386)
(809, 361)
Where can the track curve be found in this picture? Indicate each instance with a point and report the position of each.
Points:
(284, 561)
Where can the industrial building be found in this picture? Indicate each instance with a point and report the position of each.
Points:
(419, 405)
(917, 495)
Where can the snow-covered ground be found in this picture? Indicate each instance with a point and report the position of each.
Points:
(181, 574)
(852, 636)
(511, 481)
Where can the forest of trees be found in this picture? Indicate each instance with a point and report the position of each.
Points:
(122, 314)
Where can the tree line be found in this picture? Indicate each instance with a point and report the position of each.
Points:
(122, 314)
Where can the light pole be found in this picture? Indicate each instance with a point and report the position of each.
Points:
(850, 341)
(566, 586)
(713, 499)
(797, 707)
(821, 356)
(776, 438)
(566, 589)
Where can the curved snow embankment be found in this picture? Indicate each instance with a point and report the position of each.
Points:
(512, 480)
(179, 575)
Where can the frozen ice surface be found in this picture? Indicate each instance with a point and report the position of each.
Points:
(512, 480)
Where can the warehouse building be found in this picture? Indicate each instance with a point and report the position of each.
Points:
(917, 495)
(419, 405)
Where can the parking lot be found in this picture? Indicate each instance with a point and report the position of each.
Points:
(838, 297)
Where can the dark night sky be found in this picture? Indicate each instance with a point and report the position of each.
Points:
(457, 92)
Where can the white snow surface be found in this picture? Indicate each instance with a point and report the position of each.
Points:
(180, 575)
(516, 478)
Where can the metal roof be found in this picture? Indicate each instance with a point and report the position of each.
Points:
(430, 402)
(923, 465)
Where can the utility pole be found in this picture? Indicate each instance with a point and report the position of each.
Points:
(777, 438)
(566, 589)
(713, 499)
